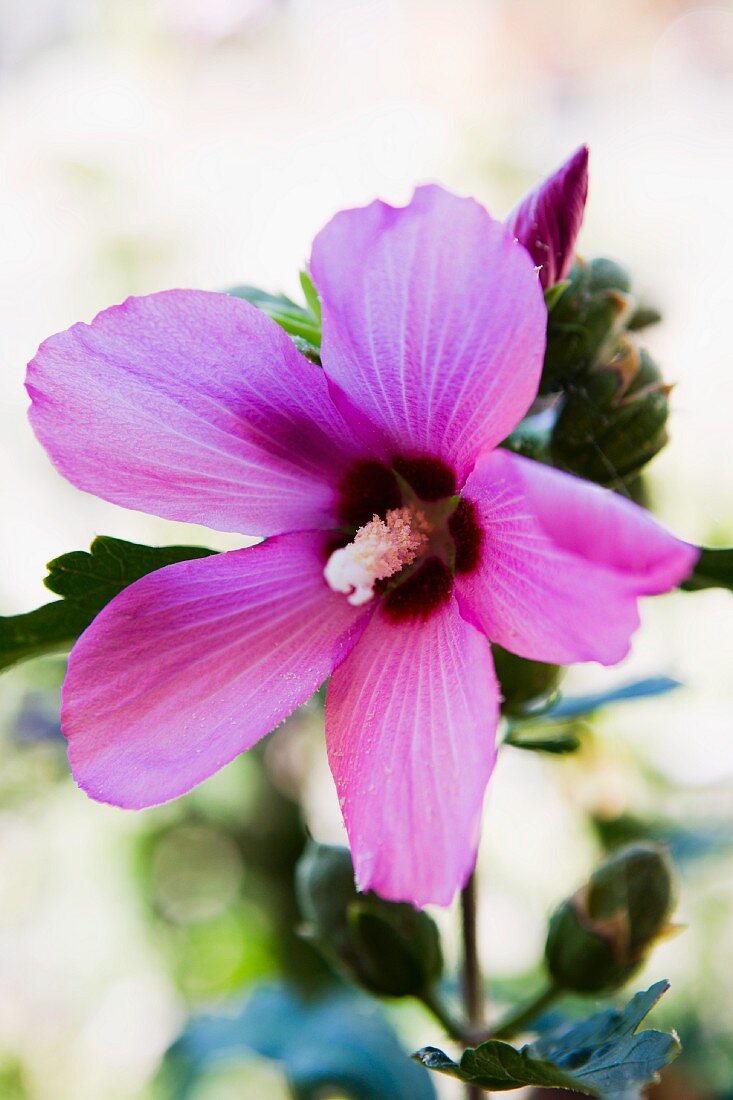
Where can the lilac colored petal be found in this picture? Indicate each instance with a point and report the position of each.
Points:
(433, 325)
(411, 719)
(563, 562)
(196, 662)
(547, 221)
(193, 406)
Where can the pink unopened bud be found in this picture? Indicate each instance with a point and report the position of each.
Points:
(548, 219)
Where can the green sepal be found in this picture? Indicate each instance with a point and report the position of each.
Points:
(607, 1055)
(87, 580)
(389, 948)
(585, 322)
(311, 351)
(398, 947)
(497, 1066)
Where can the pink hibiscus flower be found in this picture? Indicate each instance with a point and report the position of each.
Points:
(399, 539)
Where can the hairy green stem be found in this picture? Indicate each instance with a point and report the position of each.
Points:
(473, 989)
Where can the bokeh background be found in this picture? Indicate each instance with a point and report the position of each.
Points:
(157, 143)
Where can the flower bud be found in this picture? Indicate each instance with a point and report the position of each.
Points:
(600, 936)
(585, 322)
(548, 219)
(614, 422)
(605, 274)
(525, 685)
(387, 947)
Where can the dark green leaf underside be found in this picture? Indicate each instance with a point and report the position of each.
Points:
(49, 628)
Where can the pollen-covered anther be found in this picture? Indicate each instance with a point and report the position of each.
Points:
(380, 549)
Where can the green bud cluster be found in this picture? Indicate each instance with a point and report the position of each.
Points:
(602, 415)
(614, 402)
(611, 427)
(388, 948)
(584, 322)
(601, 935)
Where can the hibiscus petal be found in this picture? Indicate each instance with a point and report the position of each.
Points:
(562, 562)
(547, 221)
(194, 663)
(193, 406)
(433, 325)
(411, 720)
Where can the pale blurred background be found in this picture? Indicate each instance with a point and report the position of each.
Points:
(159, 143)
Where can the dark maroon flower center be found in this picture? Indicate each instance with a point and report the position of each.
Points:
(428, 486)
(467, 536)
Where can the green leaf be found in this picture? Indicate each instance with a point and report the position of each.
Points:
(642, 317)
(613, 421)
(92, 578)
(498, 1066)
(87, 580)
(554, 293)
(296, 320)
(604, 1056)
(584, 323)
(714, 569)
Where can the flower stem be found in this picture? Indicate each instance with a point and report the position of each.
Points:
(473, 990)
(453, 1027)
(524, 1014)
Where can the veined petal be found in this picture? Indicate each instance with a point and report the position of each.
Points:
(193, 406)
(433, 325)
(196, 662)
(411, 720)
(562, 562)
(547, 220)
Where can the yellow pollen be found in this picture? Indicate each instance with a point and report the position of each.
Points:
(380, 549)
